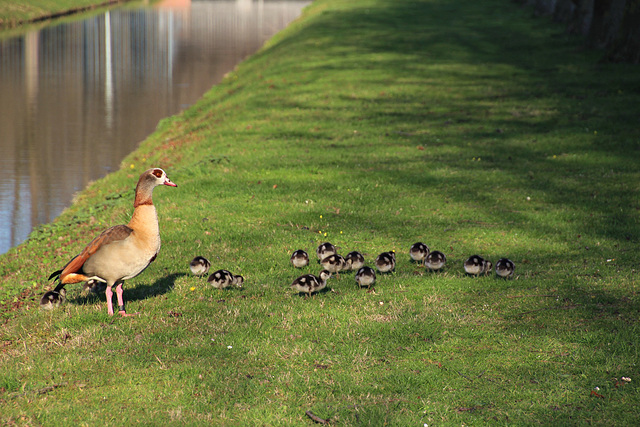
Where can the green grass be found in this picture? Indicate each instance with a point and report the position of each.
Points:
(373, 124)
(13, 13)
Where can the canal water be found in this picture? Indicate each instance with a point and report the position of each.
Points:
(77, 97)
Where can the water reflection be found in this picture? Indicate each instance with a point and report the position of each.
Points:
(76, 98)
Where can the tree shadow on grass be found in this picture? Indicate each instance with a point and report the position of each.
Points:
(438, 38)
(536, 131)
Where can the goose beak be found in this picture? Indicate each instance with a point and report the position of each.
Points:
(168, 182)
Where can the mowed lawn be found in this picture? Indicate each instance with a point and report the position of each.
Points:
(473, 127)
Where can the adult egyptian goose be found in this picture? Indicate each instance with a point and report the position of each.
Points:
(418, 251)
(310, 283)
(435, 260)
(505, 268)
(354, 260)
(199, 266)
(299, 258)
(366, 277)
(386, 262)
(475, 265)
(121, 252)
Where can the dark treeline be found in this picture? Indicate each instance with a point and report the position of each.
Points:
(611, 25)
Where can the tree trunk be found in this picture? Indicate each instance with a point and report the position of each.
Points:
(565, 11)
(613, 21)
(545, 7)
(597, 31)
(612, 25)
(581, 23)
(626, 46)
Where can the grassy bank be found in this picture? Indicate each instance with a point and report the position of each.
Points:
(13, 13)
(373, 124)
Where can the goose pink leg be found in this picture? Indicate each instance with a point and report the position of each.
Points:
(109, 294)
(119, 292)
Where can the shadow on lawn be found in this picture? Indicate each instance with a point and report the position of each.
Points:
(134, 292)
(556, 94)
(560, 128)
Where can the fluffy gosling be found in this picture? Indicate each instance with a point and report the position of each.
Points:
(199, 266)
(475, 265)
(53, 299)
(309, 283)
(366, 277)
(354, 260)
(222, 279)
(418, 251)
(436, 260)
(334, 263)
(386, 261)
(505, 268)
(324, 250)
(299, 259)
